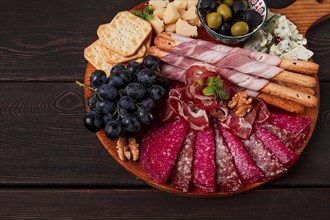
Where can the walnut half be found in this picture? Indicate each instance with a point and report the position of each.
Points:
(127, 151)
(241, 103)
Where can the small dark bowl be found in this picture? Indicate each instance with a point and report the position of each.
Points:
(258, 5)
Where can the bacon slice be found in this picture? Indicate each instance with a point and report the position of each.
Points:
(160, 148)
(246, 168)
(227, 177)
(204, 164)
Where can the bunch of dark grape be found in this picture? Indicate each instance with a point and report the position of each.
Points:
(125, 101)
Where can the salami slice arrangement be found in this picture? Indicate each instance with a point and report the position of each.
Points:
(215, 159)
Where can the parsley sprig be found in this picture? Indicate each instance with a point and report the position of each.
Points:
(147, 13)
(213, 87)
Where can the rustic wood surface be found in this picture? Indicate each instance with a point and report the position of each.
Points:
(51, 167)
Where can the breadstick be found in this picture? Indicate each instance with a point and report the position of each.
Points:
(301, 89)
(281, 103)
(171, 40)
(269, 87)
(167, 44)
(290, 94)
(299, 66)
(295, 78)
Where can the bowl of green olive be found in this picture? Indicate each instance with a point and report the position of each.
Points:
(232, 21)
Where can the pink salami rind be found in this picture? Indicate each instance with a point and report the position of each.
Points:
(246, 168)
(181, 174)
(160, 148)
(291, 139)
(204, 164)
(286, 156)
(227, 178)
(267, 163)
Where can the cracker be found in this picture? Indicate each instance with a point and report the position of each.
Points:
(117, 58)
(125, 33)
(96, 56)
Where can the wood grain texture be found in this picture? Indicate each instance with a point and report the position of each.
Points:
(151, 204)
(43, 141)
(42, 41)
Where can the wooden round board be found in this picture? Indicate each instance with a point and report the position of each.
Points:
(294, 12)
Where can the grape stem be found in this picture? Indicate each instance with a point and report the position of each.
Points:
(80, 84)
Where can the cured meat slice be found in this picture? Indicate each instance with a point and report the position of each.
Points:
(246, 168)
(227, 178)
(181, 174)
(160, 148)
(204, 164)
(262, 57)
(291, 123)
(292, 140)
(267, 163)
(286, 156)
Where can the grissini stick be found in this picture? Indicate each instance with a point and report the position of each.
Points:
(239, 62)
(305, 67)
(240, 79)
(178, 74)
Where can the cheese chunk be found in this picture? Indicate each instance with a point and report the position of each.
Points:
(170, 27)
(159, 12)
(191, 16)
(191, 3)
(155, 4)
(171, 14)
(157, 25)
(180, 3)
(185, 29)
(298, 53)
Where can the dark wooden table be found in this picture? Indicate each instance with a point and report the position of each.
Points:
(52, 167)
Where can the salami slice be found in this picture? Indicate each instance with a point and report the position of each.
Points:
(227, 178)
(291, 139)
(181, 174)
(267, 163)
(290, 123)
(160, 148)
(203, 164)
(286, 156)
(246, 168)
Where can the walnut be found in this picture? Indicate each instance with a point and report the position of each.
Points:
(121, 148)
(127, 152)
(134, 147)
(241, 103)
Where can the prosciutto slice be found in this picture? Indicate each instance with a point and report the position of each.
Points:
(261, 57)
(244, 80)
(227, 177)
(204, 164)
(160, 148)
(246, 168)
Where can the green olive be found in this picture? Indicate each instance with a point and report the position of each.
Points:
(213, 20)
(228, 2)
(239, 28)
(225, 12)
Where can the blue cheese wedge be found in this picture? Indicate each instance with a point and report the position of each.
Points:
(279, 36)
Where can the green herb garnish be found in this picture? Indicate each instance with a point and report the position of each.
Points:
(147, 13)
(213, 87)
